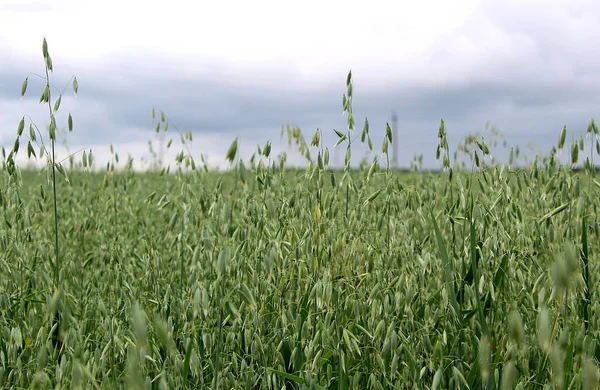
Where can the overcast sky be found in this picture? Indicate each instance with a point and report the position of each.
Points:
(244, 68)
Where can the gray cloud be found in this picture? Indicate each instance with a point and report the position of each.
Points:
(526, 74)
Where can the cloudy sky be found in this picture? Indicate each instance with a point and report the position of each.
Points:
(244, 68)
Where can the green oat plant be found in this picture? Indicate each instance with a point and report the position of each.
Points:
(36, 137)
(53, 109)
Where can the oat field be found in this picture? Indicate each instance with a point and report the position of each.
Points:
(263, 277)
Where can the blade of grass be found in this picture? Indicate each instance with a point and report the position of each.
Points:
(447, 269)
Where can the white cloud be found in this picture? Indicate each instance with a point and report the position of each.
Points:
(314, 41)
(310, 38)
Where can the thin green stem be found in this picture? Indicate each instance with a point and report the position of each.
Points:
(53, 143)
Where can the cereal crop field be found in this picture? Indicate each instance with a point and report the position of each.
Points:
(263, 277)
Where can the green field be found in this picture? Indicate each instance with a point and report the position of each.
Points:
(264, 277)
(208, 279)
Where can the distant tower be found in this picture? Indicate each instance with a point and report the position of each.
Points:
(395, 139)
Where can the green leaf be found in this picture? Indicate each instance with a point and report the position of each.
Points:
(554, 212)
(24, 86)
(232, 151)
(350, 121)
(388, 132)
(562, 138)
(70, 122)
(32, 132)
(315, 139)
(30, 150)
(484, 147)
(222, 261)
(21, 127)
(186, 362)
(45, 95)
(49, 63)
(232, 310)
(60, 169)
(482, 320)
(57, 103)
(347, 157)
(574, 153)
(373, 196)
(371, 170)
(247, 295)
(45, 48)
(447, 268)
(437, 379)
(569, 358)
(339, 141)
